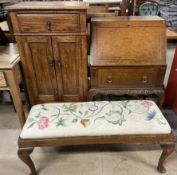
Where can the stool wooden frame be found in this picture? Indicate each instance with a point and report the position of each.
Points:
(26, 146)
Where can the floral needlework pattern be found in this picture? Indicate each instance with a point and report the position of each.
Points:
(116, 113)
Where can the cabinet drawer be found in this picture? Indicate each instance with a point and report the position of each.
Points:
(127, 77)
(49, 22)
(3, 82)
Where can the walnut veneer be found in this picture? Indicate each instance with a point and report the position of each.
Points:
(51, 37)
(128, 56)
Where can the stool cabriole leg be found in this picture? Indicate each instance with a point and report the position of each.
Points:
(167, 150)
(24, 155)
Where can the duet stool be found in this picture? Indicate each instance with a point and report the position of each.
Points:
(103, 122)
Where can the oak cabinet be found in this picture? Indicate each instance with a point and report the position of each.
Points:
(52, 42)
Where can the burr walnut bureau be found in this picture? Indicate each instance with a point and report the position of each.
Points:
(52, 42)
(128, 56)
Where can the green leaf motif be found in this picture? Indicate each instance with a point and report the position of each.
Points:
(75, 120)
(69, 108)
(37, 116)
(86, 113)
(108, 114)
(129, 111)
(118, 122)
(54, 115)
(114, 112)
(44, 108)
(66, 108)
(80, 112)
(100, 118)
(161, 122)
(60, 122)
(58, 109)
(31, 125)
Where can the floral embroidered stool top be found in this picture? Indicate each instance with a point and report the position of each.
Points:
(134, 117)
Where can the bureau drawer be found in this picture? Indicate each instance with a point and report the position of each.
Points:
(127, 77)
(3, 82)
(49, 22)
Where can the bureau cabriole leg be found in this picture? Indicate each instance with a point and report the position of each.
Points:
(24, 155)
(167, 150)
(160, 100)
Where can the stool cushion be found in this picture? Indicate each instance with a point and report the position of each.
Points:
(134, 117)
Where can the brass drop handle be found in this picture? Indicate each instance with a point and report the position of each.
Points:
(49, 25)
(144, 79)
(109, 79)
(52, 62)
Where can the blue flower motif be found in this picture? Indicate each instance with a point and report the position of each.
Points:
(150, 115)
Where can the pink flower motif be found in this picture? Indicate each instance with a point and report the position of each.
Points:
(147, 104)
(74, 107)
(43, 123)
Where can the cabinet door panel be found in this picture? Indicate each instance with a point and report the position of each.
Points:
(39, 74)
(67, 51)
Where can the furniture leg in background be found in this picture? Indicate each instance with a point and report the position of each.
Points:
(10, 77)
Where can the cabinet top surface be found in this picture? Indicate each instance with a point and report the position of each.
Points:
(127, 18)
(53, 5)
(9, 56)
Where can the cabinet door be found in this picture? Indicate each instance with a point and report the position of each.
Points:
(39, 72)
(69, 69)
